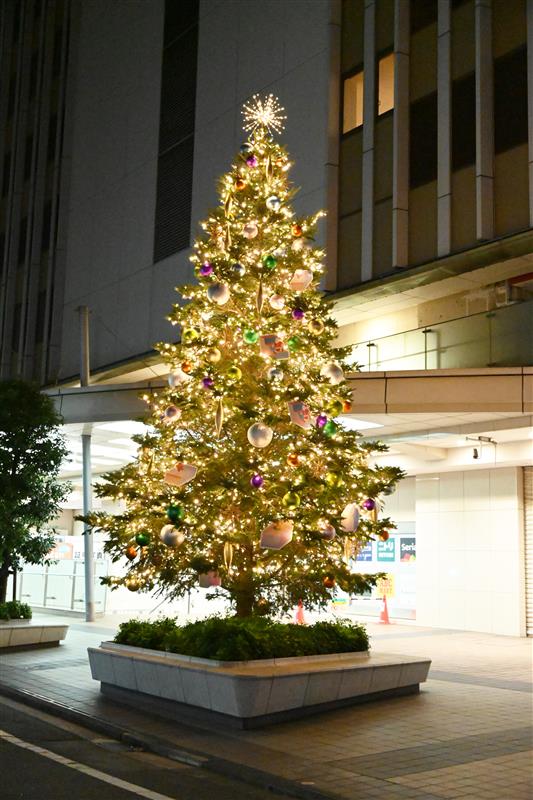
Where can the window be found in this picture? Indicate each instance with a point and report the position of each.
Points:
(353, 102)
(510, 100)
(423, 141)
(386, 84)
(422, 13)
(464, 122)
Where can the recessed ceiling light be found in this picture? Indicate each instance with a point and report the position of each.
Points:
(353, 424)
(130, 426)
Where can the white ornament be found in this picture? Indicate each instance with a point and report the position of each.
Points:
(273, 203)
(300, 280)
(275, 374)
(326, 530)
(171, 536)
(218, 293)
(333, 373)
(171, 414)
(277, 534)
(350, 518)
(260, 435)
(177, 377)
(250, 230)
(276, 301)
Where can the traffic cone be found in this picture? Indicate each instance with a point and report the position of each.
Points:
(300, 619)
(384, 616)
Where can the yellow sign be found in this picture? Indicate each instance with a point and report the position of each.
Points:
(385, 586)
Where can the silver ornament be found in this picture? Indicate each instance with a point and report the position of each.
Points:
(171, 536)
(333, 373)
(250, 230)
(275, 374)
(273, 203)
(218, 293)
(259, 435)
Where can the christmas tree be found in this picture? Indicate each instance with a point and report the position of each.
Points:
(247, 482)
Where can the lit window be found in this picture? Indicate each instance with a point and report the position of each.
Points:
(386, 84)
(353, 103)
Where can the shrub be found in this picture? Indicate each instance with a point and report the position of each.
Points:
(242, 639)
(12, 609)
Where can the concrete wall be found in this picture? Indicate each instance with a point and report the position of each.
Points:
(469, 540)
(114, 125)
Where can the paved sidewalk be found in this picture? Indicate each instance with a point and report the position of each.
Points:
(467, 735)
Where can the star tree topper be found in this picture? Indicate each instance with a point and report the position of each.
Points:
(268, 114)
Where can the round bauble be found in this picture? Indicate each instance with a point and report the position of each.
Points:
(297, 230)
(238, 270)
(142, 539)
(218, 293)
(133, 584)
(333, 373)
(189, 335)
(176, 514)
(333, 480)
(250, 230)
(234, 373)
(269, 262)
(171, 536)
(186, 367)
(347, 406)
(257, 481)
(321, 420)
(252, 161)
(208, 382)
(276, 301)
(206, 269)
(240, 185)
(293, 459)
(350, 518)
(275, 374)
(259, 435)
(213, 355)
(250, 336)
(171, 414)
(384, 535)
(130, 552)
(369, 504)
(246, 147)
(315, 326)
(273, 203)
(326, 531)
(293, 343)
(330, 428)
(291, 500)
(328, 581)
(334, 408)
(299, 244)
(298, 314)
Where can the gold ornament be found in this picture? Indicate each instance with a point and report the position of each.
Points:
(228, 555)
(214, 355)
(219, 417)
(259, 300)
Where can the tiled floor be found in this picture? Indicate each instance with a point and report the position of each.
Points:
(467, 735)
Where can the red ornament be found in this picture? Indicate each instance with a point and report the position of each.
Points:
(240, 185)
(293, 459)
(297, 230)
(328, 581)
(347, 406)
(130, 552)
(384, 535)
(186, 366)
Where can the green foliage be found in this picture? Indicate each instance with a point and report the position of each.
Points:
(31, 451)
(244, 638)
(13, 609)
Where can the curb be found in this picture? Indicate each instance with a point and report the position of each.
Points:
(152, 744)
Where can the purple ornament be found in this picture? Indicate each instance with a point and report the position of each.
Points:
(208, 382)
(251, 161)
(297, 313)
(369, 504)
(257, 481)
(206, 269)
(321, 420)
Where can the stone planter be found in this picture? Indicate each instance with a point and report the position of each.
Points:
(249, 694)
(23, 634)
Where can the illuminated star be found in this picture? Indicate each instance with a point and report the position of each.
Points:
(267, 113)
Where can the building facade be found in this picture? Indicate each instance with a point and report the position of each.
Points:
(411, 122)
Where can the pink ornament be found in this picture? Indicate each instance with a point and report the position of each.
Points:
(298, 313)
(206, 269)
(252, 161)
(369, 504)
(208, 382)
(321, 420)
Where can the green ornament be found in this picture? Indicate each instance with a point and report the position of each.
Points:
(335, 408)
(142, 539)
(269, 262)
(189, 335)
(234, 373)
(293, 343)
(333, 480)
(250, 336)
(291, 500)
(330, 428)
(176, 514)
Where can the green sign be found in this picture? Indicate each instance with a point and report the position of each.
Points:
(387, 550)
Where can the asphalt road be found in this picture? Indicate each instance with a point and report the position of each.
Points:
(43, 758)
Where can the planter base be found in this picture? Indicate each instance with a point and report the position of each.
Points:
(25, 636)
(249, 694)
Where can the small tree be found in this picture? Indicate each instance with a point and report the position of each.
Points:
(31, 451)
(249, 481)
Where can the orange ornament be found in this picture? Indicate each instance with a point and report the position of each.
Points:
(293, 459)
(297, 230)
(186, 366)
(329, 581)
(240, 185)
(347, 406)
(384, 535)
(130, 552)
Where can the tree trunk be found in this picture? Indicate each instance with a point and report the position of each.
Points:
(244, 601)
(4, 575)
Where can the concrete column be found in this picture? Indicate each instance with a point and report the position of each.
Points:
(484, 121)
(444, 129)
(332, 164)
(400, 137)
(369, 115)
(530, 103)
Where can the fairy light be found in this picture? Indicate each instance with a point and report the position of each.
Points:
(267, 113)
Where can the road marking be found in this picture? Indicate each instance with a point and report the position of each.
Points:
(140, 791)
